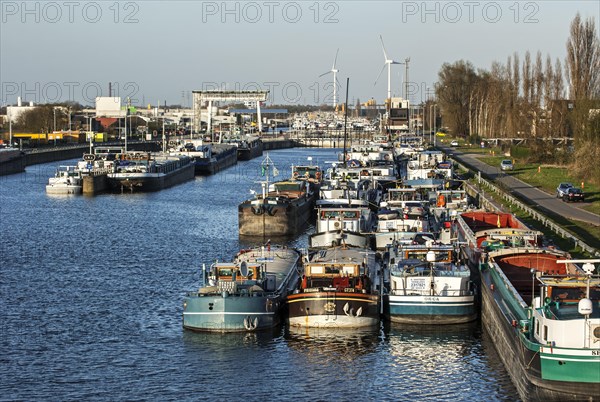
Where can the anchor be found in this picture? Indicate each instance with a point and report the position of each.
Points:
(250, 324)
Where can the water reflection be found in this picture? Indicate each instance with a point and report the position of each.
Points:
(217, 342)
(332, 344)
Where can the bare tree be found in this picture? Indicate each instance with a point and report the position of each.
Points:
(455, 95)
(583, 59)
(37, 120)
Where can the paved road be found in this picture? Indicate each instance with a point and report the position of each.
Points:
(536, 198)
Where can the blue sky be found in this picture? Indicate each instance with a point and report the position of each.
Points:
(157, 50)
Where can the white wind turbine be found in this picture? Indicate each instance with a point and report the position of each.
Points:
(334, 71)
(389, 63)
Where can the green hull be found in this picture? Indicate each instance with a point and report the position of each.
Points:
(539, 371)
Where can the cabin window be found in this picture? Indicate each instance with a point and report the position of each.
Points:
(225, 272)
(545, 333)
(537, 328)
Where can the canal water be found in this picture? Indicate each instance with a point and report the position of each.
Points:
(91, 292)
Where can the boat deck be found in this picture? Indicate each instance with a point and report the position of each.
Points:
(277, 260)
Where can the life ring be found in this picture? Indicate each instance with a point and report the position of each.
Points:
(441, 201)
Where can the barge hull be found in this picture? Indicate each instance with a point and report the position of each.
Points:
(279, 221)
(523, 364)
(327, 309)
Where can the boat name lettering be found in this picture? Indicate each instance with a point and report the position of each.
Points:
(432, 299)
(417, 283)
(311, 290)
(595, 352)
(349, 290)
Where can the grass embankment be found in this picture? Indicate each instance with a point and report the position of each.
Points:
(547, 177)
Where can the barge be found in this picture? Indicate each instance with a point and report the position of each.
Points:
(244, 295)
(543, 315)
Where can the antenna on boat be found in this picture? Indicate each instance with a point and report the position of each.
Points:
(265, 166)
(346, 120)
(532, 270)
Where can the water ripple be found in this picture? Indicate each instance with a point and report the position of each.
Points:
(91, 302)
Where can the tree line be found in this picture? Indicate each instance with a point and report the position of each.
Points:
(532, 97)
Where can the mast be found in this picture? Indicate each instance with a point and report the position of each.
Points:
(266, 165)
(346, 120)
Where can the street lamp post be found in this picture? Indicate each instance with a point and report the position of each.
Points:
(90, 131)
(435, 117)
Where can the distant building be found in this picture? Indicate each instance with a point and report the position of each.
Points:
(399, 114)
(13, 112)
(109, 106)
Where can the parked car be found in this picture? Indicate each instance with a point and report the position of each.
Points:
(506, 164)
(454, 143)
(573, 194)
(562, 188)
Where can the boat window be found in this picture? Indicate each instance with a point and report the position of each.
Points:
(330, 214)
(288, 186)
(421, 255)
(545, 332)
(561, 294)
(225, 271)
(537, 328)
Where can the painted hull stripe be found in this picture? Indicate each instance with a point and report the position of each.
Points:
(332, 299)
(228, 313)
(433, 304)
(592, 359)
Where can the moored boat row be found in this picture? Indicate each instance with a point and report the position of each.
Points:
(414, 251)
